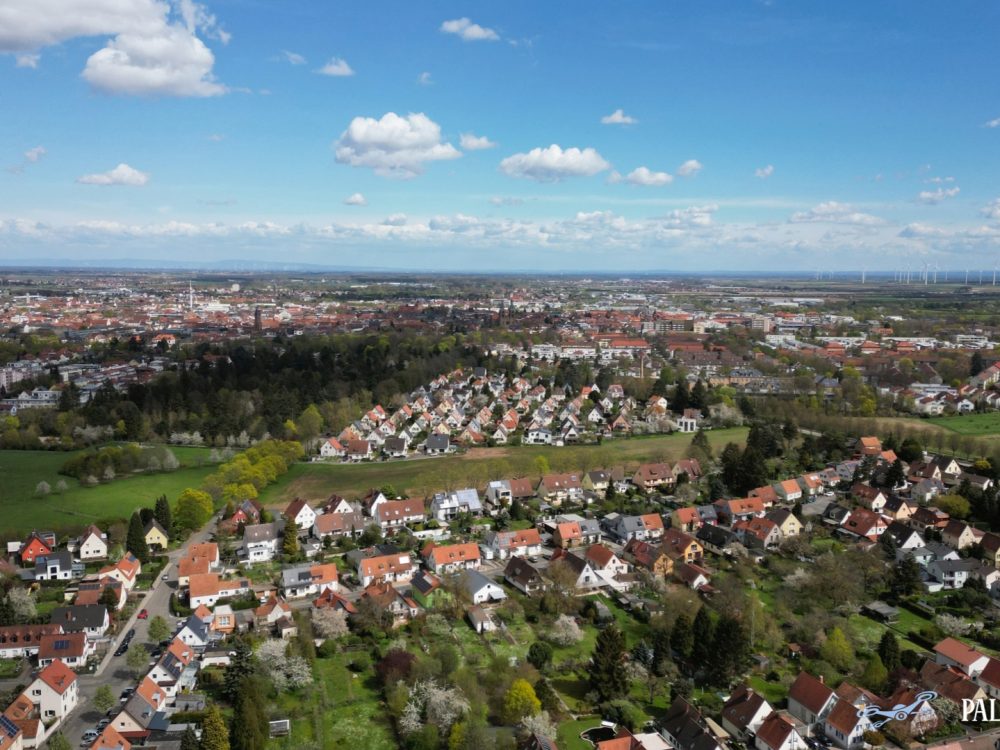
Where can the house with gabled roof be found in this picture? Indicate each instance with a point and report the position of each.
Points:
(523, 576)
(54, 691)
(301, 581)
(951, 652)
(93, 544)
(451, 558)
(391, 515)
(72, 649)
(299, 513)
(650, 557)
(392, 568)
(744, 712)
(650, 477)
(681, 547)
(810, 699)
(519, 543)
(778, 733)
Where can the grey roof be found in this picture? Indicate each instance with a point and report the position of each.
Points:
(79, 616)
(438, 443)
(297, 576)
(473, 581)
(717, 536)
(263, 532)
(197, 626)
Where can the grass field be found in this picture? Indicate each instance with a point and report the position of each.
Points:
(23, 470)
(424, 476)
(979, 425)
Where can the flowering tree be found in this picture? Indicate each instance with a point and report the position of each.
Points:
(565, 631)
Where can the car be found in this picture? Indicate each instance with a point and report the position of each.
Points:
(130, 634)
(120, 651)
(143, 614)
(90, 734)
(102, 723)
(126, 694)
(165, 577)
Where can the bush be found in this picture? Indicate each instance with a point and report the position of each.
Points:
(623, 712)
(327, 650)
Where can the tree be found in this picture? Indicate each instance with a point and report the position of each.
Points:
(330, 623)
(520, 701)
(875, 675)
(249, 730)
(700, 448)
(698, 398)
(135, 539)
(703, 635)
(565, 631)
(189, 740)
(540, 655)
(910, 450)
(58, 741)
(137, 660)
(163, 514)
(241, 667)
(21, 605)
(607, 670)
(290, 542)
(41, 490)
(954, 505)
(214, 735)
(193, 509)
(895, 475)
(159, 629)
(682, 398)
(905, 578)
(888, 651)
(104, 699)
(976, 364)
(837, 650)
(730, 651)
(682, 637)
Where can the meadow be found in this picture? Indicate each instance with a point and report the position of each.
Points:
(424, 476)
(21, 471)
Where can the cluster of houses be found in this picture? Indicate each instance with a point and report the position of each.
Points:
(474, 407)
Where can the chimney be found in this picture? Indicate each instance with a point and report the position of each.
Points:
(822, 680)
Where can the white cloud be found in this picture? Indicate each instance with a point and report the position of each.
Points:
(123, 174)
(764, 172)
(648, 178)
(499, 200)
(216, 137)
(994, 123)
(394, 220)
(154, 48)
(992, 209)
(355, 199)
(393, 146)
(689, 168)
(293, 57)
(424, 79)
(553, 163)
(27, 60)
(918, 230)
(34, 154)
(832, 212)
(471, 142)
(336, 67)
(939, 180)
(933, 197)
(469, 31)
(618, 117)
(173, 62)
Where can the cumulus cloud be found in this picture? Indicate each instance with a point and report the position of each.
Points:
(154, 47)
(506, 200)
(648, 178)
(293, 58)
(618, 117)
(355, 199)
(394, 220)
(471, 142)
(424, 79)
(31, 156)
(764, 172)
(393, 146)
(833, 212)
(553, 163)
(933, 197)
(336, 67)
(994, 123)
(939, 180)
(27, 60)
(918, 230)
(123, 174)
(992, 209)
(689, 168)
(469, 31)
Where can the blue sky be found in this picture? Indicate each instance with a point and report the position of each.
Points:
(483, 136)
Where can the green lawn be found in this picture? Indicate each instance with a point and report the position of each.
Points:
(341, 709)
(78, 506)
(970, 424)
(569, 733)
(316, 481)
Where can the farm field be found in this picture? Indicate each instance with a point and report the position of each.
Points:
(424, 476)
(978, 425)
(21, 471)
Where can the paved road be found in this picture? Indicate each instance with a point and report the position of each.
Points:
(114, 670)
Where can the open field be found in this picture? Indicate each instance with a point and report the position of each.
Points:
(23, 470)
(424, 476)
(979, 425)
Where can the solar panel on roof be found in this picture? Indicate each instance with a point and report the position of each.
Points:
(62, 645)
(8, 727)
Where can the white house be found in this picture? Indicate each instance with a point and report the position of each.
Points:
(446, 506)
(54, 691)
(299, 513)
(480, 589)
(93, 544)
(262, 541)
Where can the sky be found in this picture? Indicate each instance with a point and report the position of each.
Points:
(710, 135)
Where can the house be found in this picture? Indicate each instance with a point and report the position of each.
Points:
(681, 547)
(844, 727)
(19, 641)
(359, 450)
(349, 524)
(436, 445)
(650, 477)
(479, 589)
(395, 447)
(332, 448)
(951, 574)
(91, 619)
(926, 490)
(110, 739)
(789, 490)
(450, 558)
(922, 720)
(195, 632)
(72, 649)
(743, 509)
(585, 577)
(863, 523)
(991, 548)
(603, 560)
(54, 691)
(950, 652)
(393, 568)
(557, 488)
(332, 600)
(927, 517)
(502, 545)
(308, 580)
(56, 566)
(275, 617)
(758, 533)
(719, 540)
(870, 497)
(685, 729)
(262, 541)
(788, 525)
(960, 535)
(156, 536)
(810, 700)
(778, 733)
(686, 519)
(174, 665)
(201, 558)
(523, 576)
(568, 534)
(395, 514)
(950, 683)
(904, 537)
(650, 556)
(446, 506)
(93, 544)
(38, 544)
(898, 508)
(691, 575)
(597, 481)
(689, 467)
(869, 446)
(391, 602)
(208, 588)
(498, 494)
(300, 514)
(989, 678)
(481, 619)
(648, 527)
(744, 712)
(426, 589)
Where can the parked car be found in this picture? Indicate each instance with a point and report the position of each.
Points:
(143, 615)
